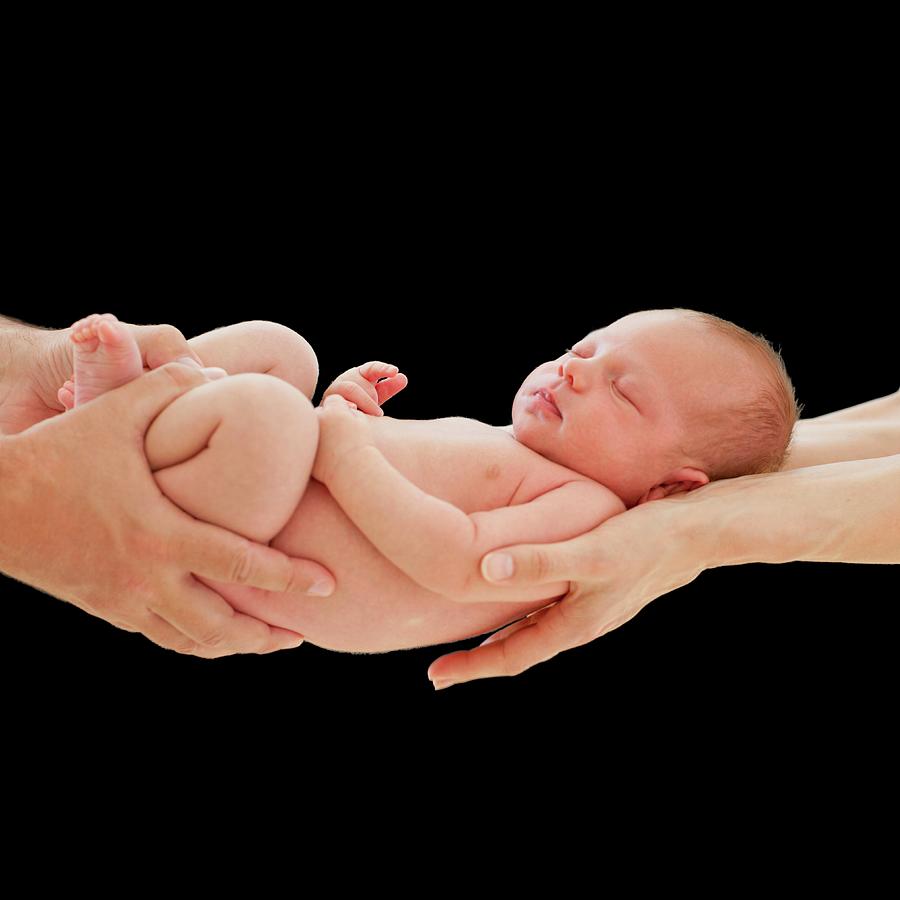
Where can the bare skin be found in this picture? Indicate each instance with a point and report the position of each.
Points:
(836, 500)
(134, 572)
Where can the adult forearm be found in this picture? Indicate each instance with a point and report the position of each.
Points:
(422, 535)
(21, 345)
(839, 512)
(817, 443)
(7, 323)
(879, 408)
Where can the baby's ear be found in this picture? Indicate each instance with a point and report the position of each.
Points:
(690, 478)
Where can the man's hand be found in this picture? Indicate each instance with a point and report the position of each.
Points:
(615, 571)
(361, 386)
(41, 361)
(131, 561)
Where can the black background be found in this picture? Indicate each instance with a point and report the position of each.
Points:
(465, 253)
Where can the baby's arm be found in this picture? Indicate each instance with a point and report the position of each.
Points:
(438, 545)
(267, 348)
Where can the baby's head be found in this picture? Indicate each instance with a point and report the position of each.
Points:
(660, 402)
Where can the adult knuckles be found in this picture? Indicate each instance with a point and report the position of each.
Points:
(180, 375)
(184, 646)
(539, 566)
(213, 639)
(243, 564)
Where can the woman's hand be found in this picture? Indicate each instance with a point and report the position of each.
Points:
(615, 571)
(358, 386)
(342, 430)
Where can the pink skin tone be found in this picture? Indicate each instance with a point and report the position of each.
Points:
(618, 398)
(106, 356)
(619, 403)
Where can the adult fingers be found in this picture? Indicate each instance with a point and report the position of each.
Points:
(198, 621)
(221, 555)
(144, 398)
(535, 564)
(161, 344)
(514, 649)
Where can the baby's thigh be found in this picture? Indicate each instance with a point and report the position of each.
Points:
(267, 348)
(237, 452)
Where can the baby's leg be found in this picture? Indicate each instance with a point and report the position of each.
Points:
(237, 452)
(267, 348)
(259, 346)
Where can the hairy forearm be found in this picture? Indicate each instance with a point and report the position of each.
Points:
(7, 323)
(21, 345)
(840, 512)
(422, 535)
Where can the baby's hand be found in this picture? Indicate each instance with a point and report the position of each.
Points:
(342, 430)
(358, 386)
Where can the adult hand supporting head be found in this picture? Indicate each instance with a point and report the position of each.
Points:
(615, 570)
(130, 560)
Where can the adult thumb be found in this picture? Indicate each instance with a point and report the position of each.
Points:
(524, 564)
(147, 396)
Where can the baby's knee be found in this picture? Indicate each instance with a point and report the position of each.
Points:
(297, 362)
(270, 404)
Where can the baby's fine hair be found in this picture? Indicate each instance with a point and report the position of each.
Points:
(750, 434)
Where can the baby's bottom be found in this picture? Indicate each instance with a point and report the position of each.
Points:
(237, 452)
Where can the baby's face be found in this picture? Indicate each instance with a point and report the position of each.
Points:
(622, 395)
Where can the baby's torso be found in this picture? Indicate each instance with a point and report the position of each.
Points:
(376, 607)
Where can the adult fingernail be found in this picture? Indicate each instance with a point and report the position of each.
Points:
(321, 589)
(499, 566)
(189, 361)
(441, 683)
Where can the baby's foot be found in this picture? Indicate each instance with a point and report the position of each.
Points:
(106, 357)
(66, 394)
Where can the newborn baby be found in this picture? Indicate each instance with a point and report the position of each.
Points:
(401, 511)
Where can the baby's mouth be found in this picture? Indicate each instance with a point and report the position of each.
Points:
(543, 392)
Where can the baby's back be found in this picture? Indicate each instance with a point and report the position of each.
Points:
(376, 607)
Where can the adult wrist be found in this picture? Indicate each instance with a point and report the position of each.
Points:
(838, 512)
(737, 521)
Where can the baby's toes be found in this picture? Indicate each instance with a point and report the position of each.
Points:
(85, 329)
(111, 331)
(66, 395)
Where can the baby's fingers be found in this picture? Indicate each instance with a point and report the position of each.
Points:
(386, 389)
(375, 369)
(356, 395)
